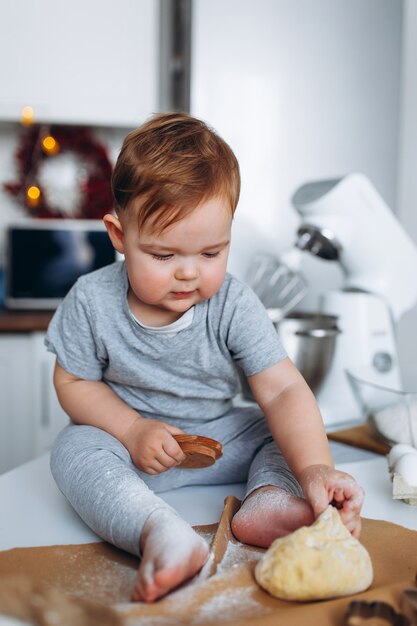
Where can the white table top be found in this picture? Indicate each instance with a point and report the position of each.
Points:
(33, 512)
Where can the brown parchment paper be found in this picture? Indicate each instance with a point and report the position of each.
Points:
(91, 584)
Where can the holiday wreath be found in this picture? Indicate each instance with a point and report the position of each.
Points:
(63, 171)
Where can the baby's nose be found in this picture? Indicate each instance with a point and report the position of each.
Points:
(186, 270)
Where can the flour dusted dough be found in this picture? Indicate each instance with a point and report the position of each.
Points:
(315, 562)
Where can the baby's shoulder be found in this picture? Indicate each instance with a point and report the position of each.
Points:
(108, 278)
(232, 295)
(233, 288)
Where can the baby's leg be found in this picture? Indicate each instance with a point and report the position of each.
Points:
(274, 505)
(94, 471)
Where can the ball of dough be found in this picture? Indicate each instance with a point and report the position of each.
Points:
(315, 562)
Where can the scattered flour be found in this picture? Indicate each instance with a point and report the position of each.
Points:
(104, 580)
(229, 604)
(206, 600)
(236, 554)
(221, 603)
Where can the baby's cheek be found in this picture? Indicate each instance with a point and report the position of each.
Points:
(212, 282)
(150, 288)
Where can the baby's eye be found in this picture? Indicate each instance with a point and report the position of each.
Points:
(211, 255)
(162, 257)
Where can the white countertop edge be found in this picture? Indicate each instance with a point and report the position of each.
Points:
(35, 513)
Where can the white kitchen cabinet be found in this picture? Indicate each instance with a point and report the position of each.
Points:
(17, 426)
(30, 416)
(92, 62)
(51, 418)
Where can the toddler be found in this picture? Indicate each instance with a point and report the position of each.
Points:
(149, 347)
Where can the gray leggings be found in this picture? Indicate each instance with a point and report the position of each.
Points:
(96, 474)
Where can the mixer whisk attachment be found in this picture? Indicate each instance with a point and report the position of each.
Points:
(277, 286)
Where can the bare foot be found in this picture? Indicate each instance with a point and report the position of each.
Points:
(172, 553)
(269, 513)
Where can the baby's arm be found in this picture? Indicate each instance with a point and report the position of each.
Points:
(94, 403)
(296, 424)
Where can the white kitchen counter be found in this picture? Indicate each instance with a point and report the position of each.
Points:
(33, 512)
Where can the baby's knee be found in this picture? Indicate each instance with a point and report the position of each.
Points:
(75, 437)
(76, 441)
(70, 440)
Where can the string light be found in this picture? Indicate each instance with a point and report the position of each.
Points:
(33, 195)
(50, 145)
(28, 116)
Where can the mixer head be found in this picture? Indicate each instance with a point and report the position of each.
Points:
(345, 219)
(319, 241)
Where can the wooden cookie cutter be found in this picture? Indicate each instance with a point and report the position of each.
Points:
(409, 604)
(200, 451)
(359, 612)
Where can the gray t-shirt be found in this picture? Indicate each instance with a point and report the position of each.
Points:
(191, 374)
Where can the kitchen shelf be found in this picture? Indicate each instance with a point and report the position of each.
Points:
(24, 321)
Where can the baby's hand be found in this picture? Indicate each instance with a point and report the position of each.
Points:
(151, 445)
(323, 485)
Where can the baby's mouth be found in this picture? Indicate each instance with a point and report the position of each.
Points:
(183, 294)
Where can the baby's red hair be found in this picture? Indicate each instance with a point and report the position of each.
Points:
(168, 166)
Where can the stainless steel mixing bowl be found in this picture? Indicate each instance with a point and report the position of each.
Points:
(310, 340)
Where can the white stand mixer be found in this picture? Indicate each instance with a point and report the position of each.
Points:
(346, 220)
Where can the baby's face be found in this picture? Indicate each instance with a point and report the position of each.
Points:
(185, 264)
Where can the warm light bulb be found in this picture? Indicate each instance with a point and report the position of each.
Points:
(28, 116)
(33, 195)
(50, 145)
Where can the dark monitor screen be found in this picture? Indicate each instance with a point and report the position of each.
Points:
(43, 263)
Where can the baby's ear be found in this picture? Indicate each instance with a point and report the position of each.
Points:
(115, 231)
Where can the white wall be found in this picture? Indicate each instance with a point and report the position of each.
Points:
(305, 90)
(301, 90)
(407, 181)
